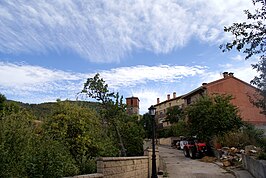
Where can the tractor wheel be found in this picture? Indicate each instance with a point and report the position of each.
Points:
(186, 153)
(192, 153)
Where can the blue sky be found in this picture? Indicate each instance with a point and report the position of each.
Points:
(141, 48)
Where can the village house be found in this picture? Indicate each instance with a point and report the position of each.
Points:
(161, 109)
(238, 89)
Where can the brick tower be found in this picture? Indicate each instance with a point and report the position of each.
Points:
(132, 105)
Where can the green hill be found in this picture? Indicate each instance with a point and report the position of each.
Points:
(44, 110)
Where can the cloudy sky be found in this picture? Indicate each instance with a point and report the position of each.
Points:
(142, 48)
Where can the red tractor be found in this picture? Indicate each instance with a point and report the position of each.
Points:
(195, 149)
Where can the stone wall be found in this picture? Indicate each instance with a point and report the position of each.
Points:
(167, 141)
(148, 152)
(122, 167)
(256, 167)
(96, 175)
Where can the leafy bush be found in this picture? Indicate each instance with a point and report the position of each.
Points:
(26, 154)
(262, 156)
(246, 135)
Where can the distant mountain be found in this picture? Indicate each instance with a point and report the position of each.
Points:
(44, 110)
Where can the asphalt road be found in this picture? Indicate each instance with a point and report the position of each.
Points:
(178, 166)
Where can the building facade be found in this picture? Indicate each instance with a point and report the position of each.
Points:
(240, 91)
(161, 109)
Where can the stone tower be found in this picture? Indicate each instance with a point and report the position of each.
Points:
(132, 105)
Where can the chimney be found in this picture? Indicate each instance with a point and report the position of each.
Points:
(158, 100)
(168, 97)
(225, 74)
(231, 74)
(174, 95)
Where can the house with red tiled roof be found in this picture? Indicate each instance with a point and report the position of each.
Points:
(240, 91)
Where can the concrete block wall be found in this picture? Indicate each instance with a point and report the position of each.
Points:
(123, 167)
(256, 167)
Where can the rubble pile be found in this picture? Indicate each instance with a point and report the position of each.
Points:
(232, 156)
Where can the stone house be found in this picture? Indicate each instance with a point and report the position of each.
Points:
(161, 109)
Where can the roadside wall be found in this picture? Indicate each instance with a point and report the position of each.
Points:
(96, 175)
(256, 167)
(122, 167)
(148, 153)
(166, 141)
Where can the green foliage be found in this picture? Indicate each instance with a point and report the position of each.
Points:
(212, 116)
(247, 135)
(146, 122)
(174, 114)
(259, 99)
(262, 156)
(49, 158)
(2, 100)
(45, 110)
(165, 132)
(175, 130)
(96, 88)
(113, 115)
(15, 132)
(133, 134)
(79, 130)
(250, 38)
(25, 154)
(180, 129)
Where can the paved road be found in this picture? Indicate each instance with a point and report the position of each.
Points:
(178, 166)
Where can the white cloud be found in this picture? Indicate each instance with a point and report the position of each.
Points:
(33, 83)
(36, 84)
(238, 58)
(106, 31)
(243, 71)
(132, 76)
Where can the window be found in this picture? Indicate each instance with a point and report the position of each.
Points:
(188, 101)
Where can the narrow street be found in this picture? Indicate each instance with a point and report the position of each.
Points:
(178, 166)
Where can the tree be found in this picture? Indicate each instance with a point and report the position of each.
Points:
(112, 104)
(23, 153)
(2, 100)
(180, 129)
(212, 116)
(146, 122)
(174, 114)
(133, 134)
(250, 38)
(79, 130)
